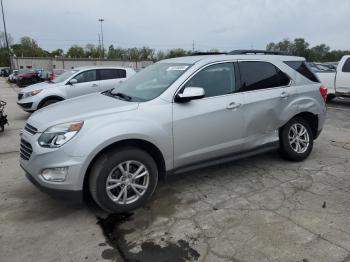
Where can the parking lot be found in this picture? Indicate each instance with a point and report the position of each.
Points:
(258, 209)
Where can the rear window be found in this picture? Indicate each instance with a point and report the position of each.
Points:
(346, 67)
(302, 68)
(106, 74)
(257, 75)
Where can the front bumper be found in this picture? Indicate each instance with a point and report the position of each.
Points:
(66, 195)
(44, 158)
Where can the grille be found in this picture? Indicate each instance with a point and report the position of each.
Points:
(31, 129)
(26, 150)
(20, 96)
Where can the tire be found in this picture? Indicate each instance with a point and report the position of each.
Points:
(108, 166)
(330, 97)
(48, 102)
(289, 147)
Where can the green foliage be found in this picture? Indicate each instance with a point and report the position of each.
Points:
(28, 47)
(76, 51)
(299, 47)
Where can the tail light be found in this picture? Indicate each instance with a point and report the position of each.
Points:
(323, 92)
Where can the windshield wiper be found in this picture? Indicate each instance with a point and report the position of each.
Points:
(122, 96)
(119, 95)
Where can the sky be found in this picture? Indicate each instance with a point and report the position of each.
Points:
(164, 24)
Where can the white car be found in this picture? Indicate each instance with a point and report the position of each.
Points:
(338, 83)
(73, 83)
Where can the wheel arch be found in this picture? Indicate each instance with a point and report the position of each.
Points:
(312, 119)
(55, 97)
(147, 146)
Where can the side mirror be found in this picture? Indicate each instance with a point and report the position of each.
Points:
(190, 93)
(73, 81)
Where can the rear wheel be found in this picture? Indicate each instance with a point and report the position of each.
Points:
(296, 139)
(124, 179)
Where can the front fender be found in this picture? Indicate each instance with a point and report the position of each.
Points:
(93, 140)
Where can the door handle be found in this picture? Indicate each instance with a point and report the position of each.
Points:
(284, 95)
(233, 105)
(94, 85)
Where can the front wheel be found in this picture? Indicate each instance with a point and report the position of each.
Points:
(122, 180)
(296, 139)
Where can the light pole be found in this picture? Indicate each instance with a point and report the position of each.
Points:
(7, 42)
(103, 48)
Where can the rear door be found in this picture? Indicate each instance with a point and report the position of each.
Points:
(111, 78)
(266, 96)
(343, 77)
(87, 83)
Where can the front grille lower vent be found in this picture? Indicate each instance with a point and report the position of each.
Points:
(26, 150)
(31, 129)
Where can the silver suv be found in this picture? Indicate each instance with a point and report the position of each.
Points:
(73, 83)
(173, 116)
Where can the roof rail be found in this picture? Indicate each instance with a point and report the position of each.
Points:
(208, 53)
(256, 52)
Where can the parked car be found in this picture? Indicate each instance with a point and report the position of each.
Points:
(28, 78)
(338, 82)
(73, 83)
(171, 117)
(56, 73)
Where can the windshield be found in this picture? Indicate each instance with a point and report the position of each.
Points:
(64, 76)
(152, 81)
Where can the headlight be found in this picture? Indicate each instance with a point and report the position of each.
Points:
(58, 135)
(32, 93)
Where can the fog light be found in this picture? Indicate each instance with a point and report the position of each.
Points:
(57, 174)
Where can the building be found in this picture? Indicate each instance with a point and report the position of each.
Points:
(49, 63)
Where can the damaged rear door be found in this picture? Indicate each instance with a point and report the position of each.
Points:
(267, 93)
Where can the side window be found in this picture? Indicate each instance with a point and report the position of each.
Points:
(257, 75)
(346, 67)
(216, 80)
(302, 68)
(106, 74)
(86, 76)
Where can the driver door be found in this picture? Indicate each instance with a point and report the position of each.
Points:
(212, 126)
(87, 82)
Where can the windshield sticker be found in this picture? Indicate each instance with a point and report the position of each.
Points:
(177, 68)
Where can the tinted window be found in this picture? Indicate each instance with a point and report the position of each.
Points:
(106, 74)
(215, 80)
(303, 69)
(346, 67)
(261, 75)
(86, 76)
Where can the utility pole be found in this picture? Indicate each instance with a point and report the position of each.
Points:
(99, 43)
(7, 42)
(193, 46)
(103, 49)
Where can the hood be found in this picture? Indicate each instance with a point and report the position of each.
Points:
(79, 109)
(42, 85)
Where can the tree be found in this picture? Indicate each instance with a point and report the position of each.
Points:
(300, 47)
(57, 52)
(76, 51)
(28, 47)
